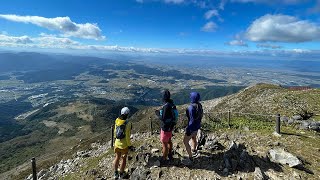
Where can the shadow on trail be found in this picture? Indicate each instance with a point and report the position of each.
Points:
(234, 160)
(293, 134)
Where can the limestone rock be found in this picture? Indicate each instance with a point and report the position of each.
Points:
(283, 157)
(233, 145)
(154, 150)
(201, 138)
(213, 145)
(258, 175)
(157, 163)
(276, 134)
(284, 119)
(314, 126)
(41, 173)
(140, 173)
(291, 121)
(297, 117)
(29, 177)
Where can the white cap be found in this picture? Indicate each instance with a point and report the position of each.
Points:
(125, 111)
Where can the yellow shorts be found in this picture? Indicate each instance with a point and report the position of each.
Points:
(122, 151)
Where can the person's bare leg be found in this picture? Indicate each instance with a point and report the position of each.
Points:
(186, 140)
(170, 148)
(194, 143)
(165, 150)
(116, 161)
(124, 162)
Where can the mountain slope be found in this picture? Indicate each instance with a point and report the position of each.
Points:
(271, 99)
(262, 98)
(58, 125)
(247, 151)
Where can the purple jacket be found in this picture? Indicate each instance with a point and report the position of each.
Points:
(194, 113)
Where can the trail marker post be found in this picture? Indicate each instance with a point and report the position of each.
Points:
(229, 118)
(34, 168)
(112, 135)
(278, 123)
(151, 128)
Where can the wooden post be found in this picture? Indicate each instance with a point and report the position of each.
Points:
(112, 135)
(278, 123)
(229, 118)
(34, 168)
(151, 128)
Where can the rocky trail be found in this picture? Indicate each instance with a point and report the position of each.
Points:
(224, 154)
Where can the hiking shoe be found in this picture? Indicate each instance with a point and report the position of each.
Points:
(195, 154)
(124, 175)
(164, 162)
(170, 156)
(187, 162)
(116, 175)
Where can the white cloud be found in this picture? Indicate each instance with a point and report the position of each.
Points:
(237, 43)
(272, 46)
(174, 1)
(55, 42)
(43, 41)
(209, 14)
(282, 28)
(222, 4)
(164, 1)
(271, 1)
(15, 39)
(203, 4)
(61, 24)
(47, 35)
(301, 50)
(46, 41)
(209, 27)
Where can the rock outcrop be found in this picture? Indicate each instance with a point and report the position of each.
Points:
(221, 156)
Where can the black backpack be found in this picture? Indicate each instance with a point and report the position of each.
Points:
(169, 123)
(121, 131)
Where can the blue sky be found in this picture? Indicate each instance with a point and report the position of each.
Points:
(184, 26)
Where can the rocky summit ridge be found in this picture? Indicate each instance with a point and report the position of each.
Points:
(223, 155)
(247, 150)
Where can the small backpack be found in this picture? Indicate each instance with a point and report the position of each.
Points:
(121, 131)
(171, 122)
(175, 114)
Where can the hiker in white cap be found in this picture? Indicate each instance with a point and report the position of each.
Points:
(122, 131)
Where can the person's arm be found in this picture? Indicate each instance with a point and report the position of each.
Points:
(187, 113)
(201, 110)
(128, 133)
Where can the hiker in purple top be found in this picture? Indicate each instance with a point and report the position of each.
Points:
(194, 114)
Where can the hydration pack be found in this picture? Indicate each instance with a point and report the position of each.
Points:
(121, 131)
(169, 123)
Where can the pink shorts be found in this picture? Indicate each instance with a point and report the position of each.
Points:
(165, 136)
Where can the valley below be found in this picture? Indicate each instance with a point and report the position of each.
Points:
(61, 104)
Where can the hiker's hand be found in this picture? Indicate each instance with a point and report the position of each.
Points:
(132, 148)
